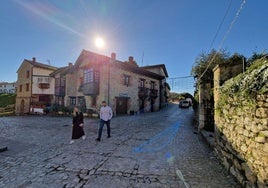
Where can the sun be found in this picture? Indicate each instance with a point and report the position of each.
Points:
(99, 42)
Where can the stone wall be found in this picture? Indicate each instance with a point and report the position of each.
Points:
(241, 118)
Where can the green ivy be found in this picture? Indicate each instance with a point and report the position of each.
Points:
(245, 86)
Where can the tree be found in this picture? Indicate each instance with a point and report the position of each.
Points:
(255, 56)
(205, 63)
(236, 59)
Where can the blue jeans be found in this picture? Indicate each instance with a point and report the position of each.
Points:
(102, 122)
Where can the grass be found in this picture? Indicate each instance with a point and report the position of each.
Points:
(7, 99)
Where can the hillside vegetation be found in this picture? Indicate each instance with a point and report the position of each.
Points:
(7, 99)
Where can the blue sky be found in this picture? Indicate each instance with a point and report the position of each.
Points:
(170, 32)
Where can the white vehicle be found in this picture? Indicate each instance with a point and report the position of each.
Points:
(190, 101)
(184, 104)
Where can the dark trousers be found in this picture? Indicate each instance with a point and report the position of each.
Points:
(102, 122)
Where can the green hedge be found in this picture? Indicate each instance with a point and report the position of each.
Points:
(7, 99)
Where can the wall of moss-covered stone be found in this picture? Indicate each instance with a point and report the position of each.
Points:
(241, 118)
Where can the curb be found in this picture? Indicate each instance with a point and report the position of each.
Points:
(208, 137)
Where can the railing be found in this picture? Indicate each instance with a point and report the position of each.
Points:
(43, 85)
(60, 91)
(91, 88)
(143, 93)
(154, 93)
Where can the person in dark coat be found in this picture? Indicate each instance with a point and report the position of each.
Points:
(78, 124)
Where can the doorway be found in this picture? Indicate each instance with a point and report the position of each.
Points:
(22, 107)
(121, 105)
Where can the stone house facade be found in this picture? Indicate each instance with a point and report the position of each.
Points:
(126, 87)
(6, 87)
(64, 79)
(35, 88)
(164, 87)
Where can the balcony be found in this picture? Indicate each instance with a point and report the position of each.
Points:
(60, 91)
(91, 88)
(43, 85)
(153, 93)
(143, 93)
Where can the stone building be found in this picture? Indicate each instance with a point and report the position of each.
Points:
(126, 87)
(64, 78)
(35, 86)
(164, 87)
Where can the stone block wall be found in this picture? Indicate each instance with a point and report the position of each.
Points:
(241, 120)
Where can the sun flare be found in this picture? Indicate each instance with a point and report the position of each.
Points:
(99, 42)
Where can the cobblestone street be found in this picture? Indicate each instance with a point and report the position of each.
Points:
(159, 149)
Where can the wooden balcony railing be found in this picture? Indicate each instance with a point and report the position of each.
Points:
(91, 88)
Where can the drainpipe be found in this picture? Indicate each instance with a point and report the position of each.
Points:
(113, 59)
(31, 88)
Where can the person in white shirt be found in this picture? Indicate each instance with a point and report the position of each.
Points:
(106, 115)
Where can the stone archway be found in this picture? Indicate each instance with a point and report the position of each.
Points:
(22, 104)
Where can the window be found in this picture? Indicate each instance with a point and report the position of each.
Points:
(62, 82)
(57, 82)
(96, 76)
(142, 82)
(43, 79)
(152, 85)
(72, 101)
(27, 87)
(27, 74)
(88, 75)
(20, 88)
(126, 80)
(59, 101)
(81, 102)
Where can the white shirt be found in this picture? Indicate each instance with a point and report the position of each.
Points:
(106, 113)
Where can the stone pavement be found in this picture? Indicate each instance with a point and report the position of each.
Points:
(157, 149)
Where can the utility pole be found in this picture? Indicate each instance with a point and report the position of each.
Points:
(142, 58)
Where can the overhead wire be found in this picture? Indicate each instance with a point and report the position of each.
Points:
(225, 36)
(181, 84)
(219, 27)
(171, 80)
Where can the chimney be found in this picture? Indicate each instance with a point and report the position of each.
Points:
(70, 64)
(34, 59)
(113, 56)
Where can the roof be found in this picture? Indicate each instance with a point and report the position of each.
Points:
(40, 65)
(157, 66)
(94, 57)
(137, 70)
(63, 70)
